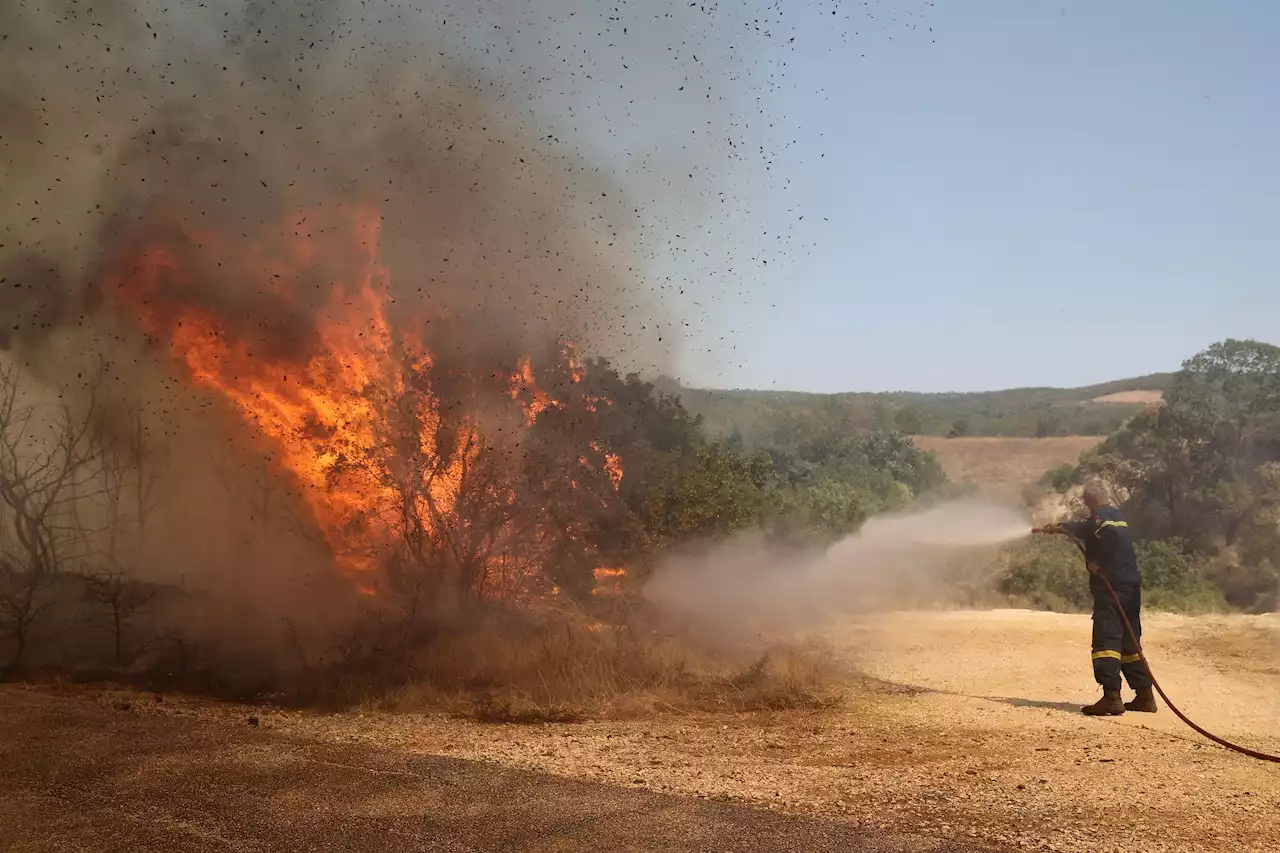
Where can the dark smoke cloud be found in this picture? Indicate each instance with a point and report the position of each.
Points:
(486, 133)
(529, 162)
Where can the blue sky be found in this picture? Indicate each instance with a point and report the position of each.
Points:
(1028, 194)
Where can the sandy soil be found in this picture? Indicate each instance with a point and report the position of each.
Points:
(969, 730)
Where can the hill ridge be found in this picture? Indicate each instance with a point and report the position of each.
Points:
(755, 416)
(1147, 382)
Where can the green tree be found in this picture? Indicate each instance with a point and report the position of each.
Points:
(909, 420)
(817, 475)
(1046, 574)
(717, 493)
(823, 510)
(1203, 467)
(1174, 578)
(898, 455)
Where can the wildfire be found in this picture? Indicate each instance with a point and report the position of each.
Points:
(324, 412)
(523, 384)
(612, 464)
(608, 581)
(577, 371)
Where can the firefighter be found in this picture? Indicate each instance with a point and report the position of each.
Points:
(1109, 553)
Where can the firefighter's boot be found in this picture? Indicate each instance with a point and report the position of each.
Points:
(1145, 701)
(1110, 705)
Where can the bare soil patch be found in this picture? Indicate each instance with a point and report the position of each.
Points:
(1146, 398)
(1004, 467)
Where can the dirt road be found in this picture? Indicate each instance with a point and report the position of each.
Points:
(971, 734)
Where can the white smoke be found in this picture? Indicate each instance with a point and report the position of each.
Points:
(747, 585)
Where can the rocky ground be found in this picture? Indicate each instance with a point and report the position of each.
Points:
(967, 729)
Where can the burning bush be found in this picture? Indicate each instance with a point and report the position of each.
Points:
(418, 470)
(457, 497)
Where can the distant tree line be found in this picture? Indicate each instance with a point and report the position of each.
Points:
(1023, 412)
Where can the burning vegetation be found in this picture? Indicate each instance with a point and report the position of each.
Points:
(455, 506)
(347, 297)
(476, 483)
(307, 376)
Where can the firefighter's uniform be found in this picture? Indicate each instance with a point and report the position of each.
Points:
(1109, 546)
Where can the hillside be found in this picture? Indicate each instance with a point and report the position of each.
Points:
(757, 416)
(1004, 468)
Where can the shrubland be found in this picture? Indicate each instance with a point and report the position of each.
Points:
(514, 598)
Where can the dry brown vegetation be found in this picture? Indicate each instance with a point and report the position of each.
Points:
(1004, 467)
(567, 666)
(1144, 398)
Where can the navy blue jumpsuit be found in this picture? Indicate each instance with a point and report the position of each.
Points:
(1109, 546)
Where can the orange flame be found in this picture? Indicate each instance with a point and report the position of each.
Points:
(608, 581)
(612, 464)
(577, 371)
(602, 573)
(320, 412)
(523, 383)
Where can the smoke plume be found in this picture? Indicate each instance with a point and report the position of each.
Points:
(511, 158)
(746, 588)
(488, 137)
(235, 118)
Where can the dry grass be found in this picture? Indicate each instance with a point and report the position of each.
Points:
(1004, 467)
(557, 663)
(1145, 398)
(569, 667)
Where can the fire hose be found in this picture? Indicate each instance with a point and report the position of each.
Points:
(1142, 656)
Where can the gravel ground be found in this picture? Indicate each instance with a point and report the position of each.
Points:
(971, 732)
(79, 774)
